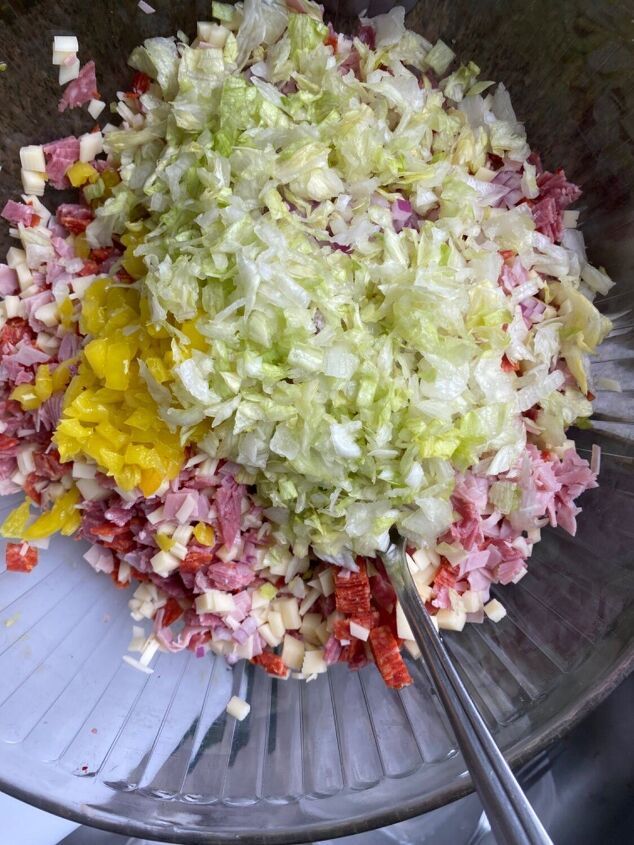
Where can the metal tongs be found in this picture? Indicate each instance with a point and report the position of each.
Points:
(512, 819)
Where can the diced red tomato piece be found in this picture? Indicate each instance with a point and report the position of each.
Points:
(172, 611)
(21, 557)
(388, 658)
(139, 576)
(507, 254)
(272, 664)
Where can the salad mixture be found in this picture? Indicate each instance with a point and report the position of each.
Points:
(312, 286)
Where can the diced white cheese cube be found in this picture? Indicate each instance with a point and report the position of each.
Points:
(238, 708)
(494, 610)
(155, 516)
(68, 72)
(310, 623)
(33, 182)
(293, 652)
(471, 601)
(163, 563)
(276, 623)
(359, 631)
(327, 581)
(402, 625)
(322, 633)
(66, 43)
(14, 307)
(63, 57)
(95, 107)
(290, 613)
(15, 256)
(25, 280)
(179, 551)
(450, 620)
(215, 601)
(26, 464)
(412, 648)
(268, 636)
(47, 314)
(314, 663)
(183, 534)
(297, 587)
(309, 601)
(92, 490)
(90, 146)
(83, 470)
(32, 158)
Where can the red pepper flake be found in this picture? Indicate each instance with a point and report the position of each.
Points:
(272, 664)
(21, 557)
(388, 658)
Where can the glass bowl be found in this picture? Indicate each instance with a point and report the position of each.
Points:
(85, 736)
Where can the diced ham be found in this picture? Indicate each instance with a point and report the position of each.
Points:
(59, 156)
(229, 507)
(81, 90)
(19, 212)
(74, 217)
(231, 576)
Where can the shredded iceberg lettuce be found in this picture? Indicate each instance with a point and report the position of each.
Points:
(329, 244)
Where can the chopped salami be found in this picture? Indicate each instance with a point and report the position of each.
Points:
(388, 658)
(21, 557)
(196, 558)
(352, 590)
(272, 664)
(48, 465)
